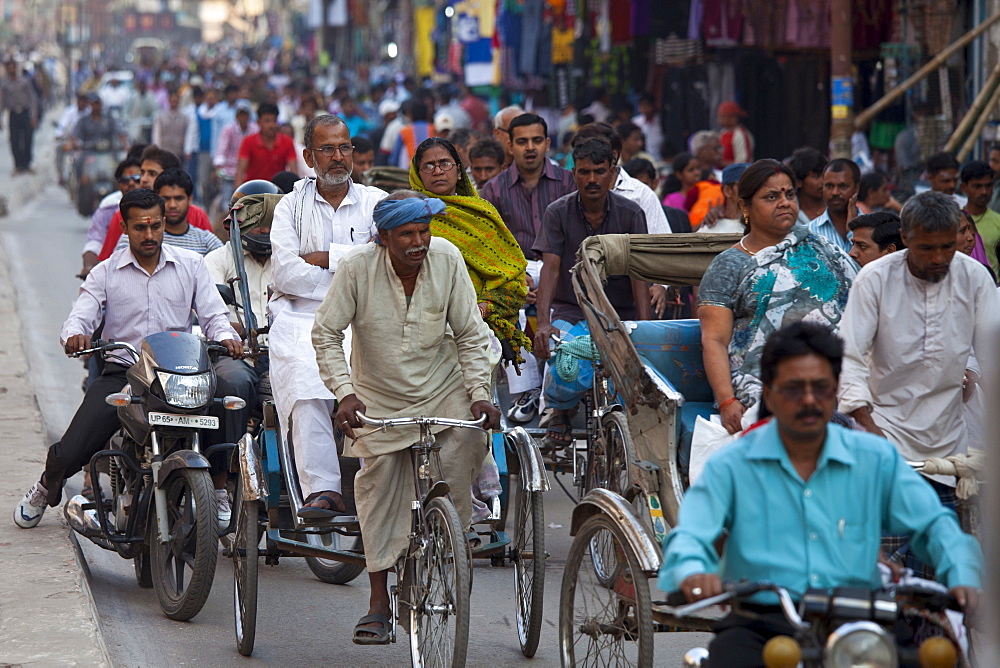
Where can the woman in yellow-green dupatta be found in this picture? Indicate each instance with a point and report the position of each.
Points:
(494, 259)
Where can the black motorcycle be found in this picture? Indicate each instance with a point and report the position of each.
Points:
(162, 512)
(885, 628)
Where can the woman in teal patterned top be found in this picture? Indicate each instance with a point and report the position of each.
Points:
(778, 273)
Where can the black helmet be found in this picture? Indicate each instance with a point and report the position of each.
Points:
(255, 187)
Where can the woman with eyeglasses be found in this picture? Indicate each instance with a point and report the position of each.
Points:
(495, 262)
(778, 273)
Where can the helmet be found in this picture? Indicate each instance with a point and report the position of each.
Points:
(255, 187)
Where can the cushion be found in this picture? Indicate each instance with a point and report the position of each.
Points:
(673, 347)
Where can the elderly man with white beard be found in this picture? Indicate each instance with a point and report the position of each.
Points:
(313, 227)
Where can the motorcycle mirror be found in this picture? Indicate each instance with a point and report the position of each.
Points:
(228, 296)
(231, 403)
(118, 399)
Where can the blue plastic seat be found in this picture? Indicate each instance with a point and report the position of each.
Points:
(672, 350)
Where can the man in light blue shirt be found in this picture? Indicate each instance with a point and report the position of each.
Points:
(805, 503)
(841, 180)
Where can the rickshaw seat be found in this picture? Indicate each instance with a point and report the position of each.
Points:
(672, 350)
(673, 347)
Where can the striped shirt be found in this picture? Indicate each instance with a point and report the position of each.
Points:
(195, 239)
(522, 209)
(823, 226)
(135, 304)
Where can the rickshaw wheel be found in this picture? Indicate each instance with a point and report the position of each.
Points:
(245, 550)
(438, 598)
(613, 472)
(620, 453)
(529, 568)
(184, 567)
(605, 619)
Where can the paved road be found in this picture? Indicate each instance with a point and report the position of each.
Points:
(302, 621)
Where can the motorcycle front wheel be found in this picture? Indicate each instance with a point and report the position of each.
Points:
(184, 566)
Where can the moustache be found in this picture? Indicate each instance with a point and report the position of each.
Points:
(593, 188)
(808, 413)
(415, 251)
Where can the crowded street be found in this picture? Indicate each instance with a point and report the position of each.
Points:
(534, 332)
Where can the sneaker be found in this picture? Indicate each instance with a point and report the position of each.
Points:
(30, 509)
(225, 512)
(525, 408)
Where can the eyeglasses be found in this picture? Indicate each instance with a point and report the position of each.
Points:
(822, 391)
(125, 180)
(443, 165)
(328, 151)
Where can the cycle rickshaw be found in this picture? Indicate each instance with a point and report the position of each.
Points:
(268, 498)
(607, 613)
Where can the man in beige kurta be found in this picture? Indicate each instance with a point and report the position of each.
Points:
(419, 349)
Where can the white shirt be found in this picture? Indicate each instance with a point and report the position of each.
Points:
(300, 287)
(907, 343)
(641, 194)
(654, 134)
(223, 268)
(70, 116)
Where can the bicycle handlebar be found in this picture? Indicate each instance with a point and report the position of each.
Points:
(428, 421)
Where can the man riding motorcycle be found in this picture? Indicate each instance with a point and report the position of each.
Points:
(141, 290)
(805, 503)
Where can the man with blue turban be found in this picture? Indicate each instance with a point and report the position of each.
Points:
(419, 348)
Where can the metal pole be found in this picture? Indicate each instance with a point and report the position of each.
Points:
(842, 81)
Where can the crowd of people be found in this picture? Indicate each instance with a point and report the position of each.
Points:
(472, 269)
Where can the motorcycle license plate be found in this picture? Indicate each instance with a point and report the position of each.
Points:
(192, 421)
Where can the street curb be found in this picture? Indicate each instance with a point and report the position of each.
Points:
(48, 615)
(84, 581)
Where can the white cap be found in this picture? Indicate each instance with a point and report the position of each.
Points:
(386, 107)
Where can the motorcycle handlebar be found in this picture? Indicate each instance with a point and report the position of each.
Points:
(106, 346)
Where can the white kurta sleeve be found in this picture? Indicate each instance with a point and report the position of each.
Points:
(332, 318)
(857, 328)
(291, 275)
(987, 326)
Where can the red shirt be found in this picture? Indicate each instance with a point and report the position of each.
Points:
(196, 217)
(263, 162)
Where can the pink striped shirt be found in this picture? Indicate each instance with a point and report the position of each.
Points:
(135, 304)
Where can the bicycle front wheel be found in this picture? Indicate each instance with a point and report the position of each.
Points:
(439, 595)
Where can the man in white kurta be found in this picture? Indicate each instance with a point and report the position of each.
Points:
(912, 321)
(313, 227)
(420, 349)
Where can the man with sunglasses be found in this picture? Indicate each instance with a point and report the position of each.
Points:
(127, 175)
(312, 228)
(804, 503)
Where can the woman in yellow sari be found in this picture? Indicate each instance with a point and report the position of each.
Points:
(495, 262)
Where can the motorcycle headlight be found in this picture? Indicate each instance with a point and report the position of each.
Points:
(185, 391)
(861, 645)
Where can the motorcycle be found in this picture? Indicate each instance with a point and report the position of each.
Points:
(847, 627)
(162, 509)
(93, 179)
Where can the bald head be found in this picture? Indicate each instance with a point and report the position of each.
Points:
(501, 128)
